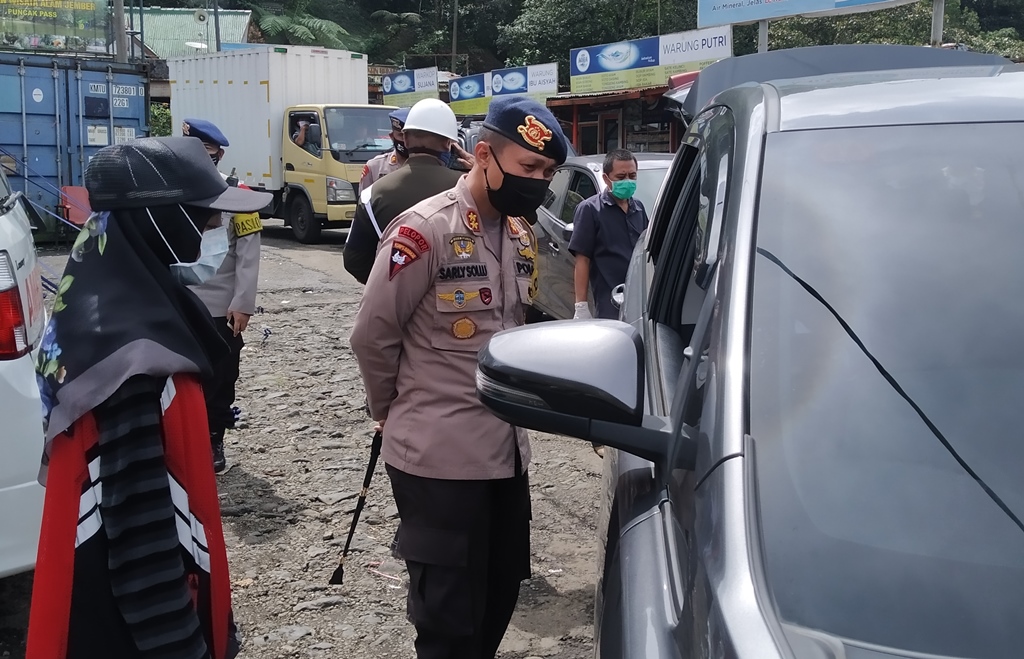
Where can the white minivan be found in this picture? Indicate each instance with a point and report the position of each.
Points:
(22, 320)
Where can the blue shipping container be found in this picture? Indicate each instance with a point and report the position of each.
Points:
(56, 113)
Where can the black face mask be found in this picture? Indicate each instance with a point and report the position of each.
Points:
(400, 148)
(518, 196)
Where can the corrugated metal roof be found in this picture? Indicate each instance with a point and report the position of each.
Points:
(168, 30)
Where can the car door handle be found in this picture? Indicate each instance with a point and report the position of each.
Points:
(554, 248)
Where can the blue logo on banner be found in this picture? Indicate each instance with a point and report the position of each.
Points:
(399, 83)
(509, 81)
(637, 54)
(470, 87)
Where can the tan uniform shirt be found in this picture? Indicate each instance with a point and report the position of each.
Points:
(233, 288)
(439, 289)
(377, 167)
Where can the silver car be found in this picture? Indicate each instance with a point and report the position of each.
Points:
(579, 178)
(815, 390)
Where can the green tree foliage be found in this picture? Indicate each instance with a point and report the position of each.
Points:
(495, 33)
(907, 24)
(159, 120)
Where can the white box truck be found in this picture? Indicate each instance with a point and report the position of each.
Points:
(259, 97)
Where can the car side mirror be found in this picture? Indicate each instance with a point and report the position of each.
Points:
(545, 377)
(567, 232)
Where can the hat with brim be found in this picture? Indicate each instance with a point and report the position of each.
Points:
(163, 171)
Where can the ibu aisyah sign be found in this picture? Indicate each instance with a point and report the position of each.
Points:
(473, 94)
(404, 88)
(725, 12)
(646, 62)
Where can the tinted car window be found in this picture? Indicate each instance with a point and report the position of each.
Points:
(555, 196)
(871, 528)
(581, 187)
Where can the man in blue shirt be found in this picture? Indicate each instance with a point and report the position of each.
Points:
(606, 228)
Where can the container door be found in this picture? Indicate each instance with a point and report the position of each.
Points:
(32, 114)
(105, 108)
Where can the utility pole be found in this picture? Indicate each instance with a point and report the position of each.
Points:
(762, 36)
(659, 18)
(120, 33)
(938, 16)
(216, 23)
(455, 34)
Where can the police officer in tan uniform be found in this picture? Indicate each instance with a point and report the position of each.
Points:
(385, 163)
(230, 296)
(451, 272)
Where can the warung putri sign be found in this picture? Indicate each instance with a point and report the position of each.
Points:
(404, 88)
(646, 62)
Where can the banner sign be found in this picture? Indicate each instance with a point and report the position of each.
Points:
(717, 12)
(62, 25)
(473, 94)
(404, 88)
(470, 95)
(646, 62)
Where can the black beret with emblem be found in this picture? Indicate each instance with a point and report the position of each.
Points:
(205, 130)
(529, 124)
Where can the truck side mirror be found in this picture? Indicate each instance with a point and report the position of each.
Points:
(314, 135)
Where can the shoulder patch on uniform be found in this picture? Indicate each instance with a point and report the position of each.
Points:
(366, 170)
(401, 257)
(485, 295)
(416, 237)
(246, 223)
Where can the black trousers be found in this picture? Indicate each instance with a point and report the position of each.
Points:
(219, 389)
(467, 547)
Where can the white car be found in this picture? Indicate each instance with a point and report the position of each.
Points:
(22, 320)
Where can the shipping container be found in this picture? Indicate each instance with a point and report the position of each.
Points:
(56, 113)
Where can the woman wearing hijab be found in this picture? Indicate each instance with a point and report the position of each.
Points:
(131, 560)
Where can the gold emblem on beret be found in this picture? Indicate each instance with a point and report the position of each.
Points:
(534, 132)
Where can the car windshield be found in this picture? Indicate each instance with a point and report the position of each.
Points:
(872, 529)
(358, 134)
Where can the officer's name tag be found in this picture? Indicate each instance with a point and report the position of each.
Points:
(247, 223)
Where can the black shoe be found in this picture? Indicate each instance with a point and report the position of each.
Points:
(219, 462)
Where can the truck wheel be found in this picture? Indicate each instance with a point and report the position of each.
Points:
(305, 227)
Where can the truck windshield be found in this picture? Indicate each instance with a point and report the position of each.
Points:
(358, 134)
(886, 384)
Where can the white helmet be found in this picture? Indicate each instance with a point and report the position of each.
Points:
(433, 115)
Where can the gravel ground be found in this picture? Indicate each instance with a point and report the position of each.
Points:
(297, 462)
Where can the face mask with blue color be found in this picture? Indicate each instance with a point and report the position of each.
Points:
(212, 251)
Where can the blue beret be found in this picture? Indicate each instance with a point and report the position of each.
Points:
(398, 118)
(204, 130)
(528, 124)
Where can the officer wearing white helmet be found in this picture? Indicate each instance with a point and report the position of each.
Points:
(430, 131)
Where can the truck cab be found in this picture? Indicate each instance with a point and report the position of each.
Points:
(321, 174)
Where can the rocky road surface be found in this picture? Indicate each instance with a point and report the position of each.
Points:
(297, 462)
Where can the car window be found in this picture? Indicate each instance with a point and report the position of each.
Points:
(582, 187)
(681, 277)
(555, 195)
(885, 380)
(661, 213)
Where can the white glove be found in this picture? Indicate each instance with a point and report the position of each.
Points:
(582, 311)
